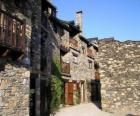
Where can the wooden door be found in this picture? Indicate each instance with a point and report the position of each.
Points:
(69, 93)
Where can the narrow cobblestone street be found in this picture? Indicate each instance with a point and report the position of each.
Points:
(88, 109)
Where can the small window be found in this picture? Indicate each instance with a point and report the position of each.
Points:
(75, 58)
(83, 49)
(90, 64)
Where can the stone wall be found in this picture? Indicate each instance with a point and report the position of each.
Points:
(14, 76)
(14, 90)
(65, 39)
(120, 74)
(80, 69)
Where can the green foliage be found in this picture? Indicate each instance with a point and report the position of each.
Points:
(32, 92)
(77, 97)
(56, 93)
(57, 68)
(56, 86)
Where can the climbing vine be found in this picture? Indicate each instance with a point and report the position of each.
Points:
(56, 86)
(56, 93)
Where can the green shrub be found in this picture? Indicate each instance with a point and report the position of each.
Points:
(56, 93)
(56, 86)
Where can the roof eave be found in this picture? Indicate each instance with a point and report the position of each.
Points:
(51, 5)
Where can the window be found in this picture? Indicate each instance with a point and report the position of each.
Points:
(90, 64)
(83, 49)
(75, 58)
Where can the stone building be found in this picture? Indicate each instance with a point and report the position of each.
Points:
(120, 74)
(15, 33)
(29, 51)
(42, 57)
(77, 58)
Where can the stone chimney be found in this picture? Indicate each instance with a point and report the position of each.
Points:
(79, 22)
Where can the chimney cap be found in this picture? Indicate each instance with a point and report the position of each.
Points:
(79, 11)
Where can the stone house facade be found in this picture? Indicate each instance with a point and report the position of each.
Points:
(36, 46)
(29, 46)
(15, 32)
(77, 65)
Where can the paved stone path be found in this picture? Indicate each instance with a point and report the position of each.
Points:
(88, 109)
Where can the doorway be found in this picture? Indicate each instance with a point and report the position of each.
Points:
(69, 93)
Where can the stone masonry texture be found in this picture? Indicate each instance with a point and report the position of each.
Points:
(14, 90)
(15, 76)
(120, 75)
(80, 70)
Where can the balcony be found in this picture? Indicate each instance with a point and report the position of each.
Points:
(65, 68)
(12, 33)
(90, 53)
(73, 44)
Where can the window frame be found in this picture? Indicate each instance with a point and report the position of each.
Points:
(90, 64)
(75, 58)
(83, 49)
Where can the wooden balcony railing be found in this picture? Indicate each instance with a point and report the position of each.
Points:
(12, 31)
(90, 53)
(73, 43)
(65, 67)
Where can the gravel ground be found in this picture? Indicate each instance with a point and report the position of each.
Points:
(88, 109)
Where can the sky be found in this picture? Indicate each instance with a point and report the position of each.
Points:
(104, 18)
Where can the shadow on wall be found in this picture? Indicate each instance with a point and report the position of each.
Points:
(132, 115)
(4, 61)
(2, 64)
(50, 92)
(96, 93)
(49, 67)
